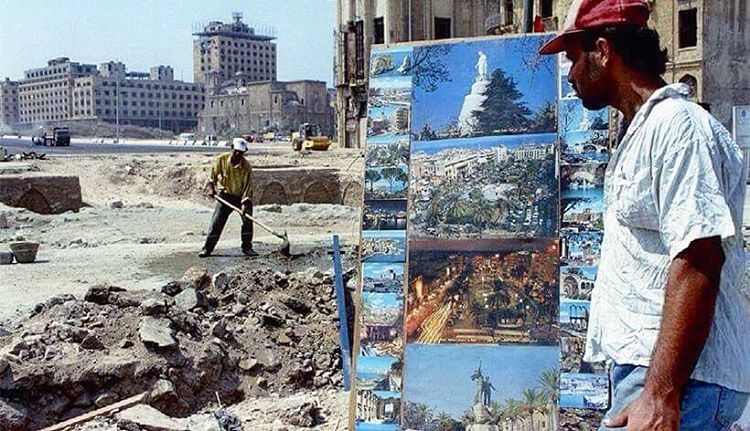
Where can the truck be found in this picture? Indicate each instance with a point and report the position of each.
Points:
(53, 137)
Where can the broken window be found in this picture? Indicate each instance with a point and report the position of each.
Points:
(508, 7)
(688, 23)
(378, 31)
(442, 28)
(546, 8)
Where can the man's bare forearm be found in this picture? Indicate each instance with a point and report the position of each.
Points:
(689, 304)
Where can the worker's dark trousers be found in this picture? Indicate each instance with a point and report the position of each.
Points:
(219, 219)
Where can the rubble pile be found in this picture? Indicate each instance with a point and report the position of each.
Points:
(23, 156)
(580, 419)
(247, 332)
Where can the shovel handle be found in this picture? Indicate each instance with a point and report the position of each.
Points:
(248, 216)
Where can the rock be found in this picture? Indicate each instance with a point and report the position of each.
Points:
(124, 299)
(156, 332)
(219, 329)
(148, 418)
(163, 390)
(322, 361)
(307, 415)
(126, 344)
(100, 294)
(13, 417)
(283, 340)
(92, 343)
(4, 365)
(187, 233)
(172, 288)
(196, 277)
(261, 382)
(156, 306)
(59, 299)
(220, 281)
(127, 425)
(115, 204)
(189, 299)
(248, 364)
(296, 305)
(203, 422)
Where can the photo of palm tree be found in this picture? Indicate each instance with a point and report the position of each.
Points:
(388, 182)
(508, 387)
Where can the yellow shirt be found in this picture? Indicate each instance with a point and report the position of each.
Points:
(235, 180)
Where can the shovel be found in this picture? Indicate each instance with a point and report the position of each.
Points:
(285, 247)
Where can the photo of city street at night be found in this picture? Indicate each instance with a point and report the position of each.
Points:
(492, 187)
(382, 324)
(384, 246)
(389, 182)
(582, 197)
(581, 248)
(394, 152)
(379, 277)
(384, 215)
(577, 282)
(584, 391)
(482, 292)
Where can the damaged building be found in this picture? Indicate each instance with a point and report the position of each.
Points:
(712, 63)
(242, 106)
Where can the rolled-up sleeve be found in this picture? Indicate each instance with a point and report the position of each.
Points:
(215, 170)
(691, 199)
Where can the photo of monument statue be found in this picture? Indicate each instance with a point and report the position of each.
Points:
(489, 388)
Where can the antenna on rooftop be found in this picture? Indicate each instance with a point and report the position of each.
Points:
(237, 16)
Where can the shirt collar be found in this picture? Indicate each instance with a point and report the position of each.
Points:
(672, 90)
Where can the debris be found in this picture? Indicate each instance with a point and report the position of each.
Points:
(196, 277)
(148, 418)
(228, 421)
(307, 415)
(156, 332)
(189, 299)
(115, 204)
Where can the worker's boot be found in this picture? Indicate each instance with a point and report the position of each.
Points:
(204, 253)
(249, 252)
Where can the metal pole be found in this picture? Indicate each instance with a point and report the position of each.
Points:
(409, 15)
(117, 108)
(528, 13)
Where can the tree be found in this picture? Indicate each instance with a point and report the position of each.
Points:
(429, 66)
(392, 174)
(417, 415)
(545, 120)
(502, 110)
(372, 176)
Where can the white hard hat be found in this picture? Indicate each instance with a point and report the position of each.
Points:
(239, 144)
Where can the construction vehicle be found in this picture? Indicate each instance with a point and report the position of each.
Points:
(310, 137)
(53, 137)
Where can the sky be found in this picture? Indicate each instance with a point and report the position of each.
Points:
(144, 33)
(383, 301)
(443, 106)
(511, 369)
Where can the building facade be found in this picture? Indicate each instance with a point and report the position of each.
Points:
(224, 49)
(8, 103)
(250, 107)
(707, 41)
(67, 91)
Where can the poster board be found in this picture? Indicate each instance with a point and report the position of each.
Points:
(481, 233)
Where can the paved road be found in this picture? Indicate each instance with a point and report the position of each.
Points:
(14, 146)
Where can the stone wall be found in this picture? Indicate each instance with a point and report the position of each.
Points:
(308, 185)
(43, 194)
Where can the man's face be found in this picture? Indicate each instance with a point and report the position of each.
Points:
(237, 154)
(587, 75)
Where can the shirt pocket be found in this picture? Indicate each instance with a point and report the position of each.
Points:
(632, 200)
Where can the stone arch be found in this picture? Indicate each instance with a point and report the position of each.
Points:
(352, 195)
(691, 82)
(273, 193)
(33, 200)
(319, 192)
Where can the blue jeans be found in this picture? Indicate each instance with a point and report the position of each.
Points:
(704, 406)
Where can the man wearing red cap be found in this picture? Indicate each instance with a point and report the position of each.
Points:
(670, 310)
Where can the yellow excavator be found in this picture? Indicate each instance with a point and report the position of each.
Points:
(310, 137)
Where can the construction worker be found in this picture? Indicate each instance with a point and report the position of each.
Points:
(233, 176)
(669, 310)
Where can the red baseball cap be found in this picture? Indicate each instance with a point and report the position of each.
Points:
(588, 14)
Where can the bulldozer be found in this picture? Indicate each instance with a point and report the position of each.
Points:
(310, 137)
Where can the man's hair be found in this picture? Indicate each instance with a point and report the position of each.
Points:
(637, 46)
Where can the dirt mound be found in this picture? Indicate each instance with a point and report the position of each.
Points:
(247, 332)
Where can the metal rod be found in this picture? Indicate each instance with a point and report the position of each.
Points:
(343, 320)
(528, 14)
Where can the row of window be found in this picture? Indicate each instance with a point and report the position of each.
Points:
(267, 47)
(141, 113)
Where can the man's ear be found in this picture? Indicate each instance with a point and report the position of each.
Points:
(604, 51)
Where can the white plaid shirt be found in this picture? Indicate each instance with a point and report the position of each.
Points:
(677, 176)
